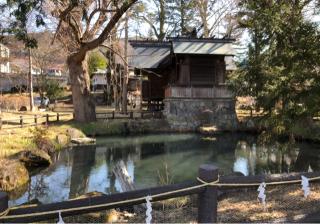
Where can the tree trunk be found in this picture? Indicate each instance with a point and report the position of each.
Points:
(30, 80)
(117, 89)
(83, 102)
(126, 70)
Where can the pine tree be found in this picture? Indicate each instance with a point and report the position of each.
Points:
(282, 67)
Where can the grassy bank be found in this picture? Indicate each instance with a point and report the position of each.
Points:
(13, 141)
(19, 139)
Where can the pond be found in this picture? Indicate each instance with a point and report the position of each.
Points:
(153, 160)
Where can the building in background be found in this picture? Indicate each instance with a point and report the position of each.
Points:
(99, 80)
(186, 78)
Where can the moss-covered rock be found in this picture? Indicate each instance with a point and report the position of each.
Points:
(62, 139)
(83, 141)
(13, 174)
(75, 133)
(34, 158)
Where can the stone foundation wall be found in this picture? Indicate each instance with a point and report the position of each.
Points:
(191, 114)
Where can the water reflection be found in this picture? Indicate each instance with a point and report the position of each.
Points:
(87, 169)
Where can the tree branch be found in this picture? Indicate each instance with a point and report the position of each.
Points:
(113, 21)
(151, 25)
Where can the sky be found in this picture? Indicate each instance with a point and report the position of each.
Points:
(144, 28)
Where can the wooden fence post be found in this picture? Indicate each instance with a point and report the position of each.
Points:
(73, 115)
(3, 202)
(112, 114)
(0, 123)
(47, 119)
(21, 121)
(36, 120)
(58, 117)
(207, 206)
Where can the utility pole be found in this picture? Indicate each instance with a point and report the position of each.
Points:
(126, 68)
(30, 82)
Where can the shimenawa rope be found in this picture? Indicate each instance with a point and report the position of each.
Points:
(4, 215)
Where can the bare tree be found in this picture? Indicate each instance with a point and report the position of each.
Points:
(30, 82)
(126, 68)
(44, 57)
(156, 14)
(81, 32)
(216, 16)
(81, 27)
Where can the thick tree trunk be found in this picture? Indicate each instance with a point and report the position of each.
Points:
(83, 102)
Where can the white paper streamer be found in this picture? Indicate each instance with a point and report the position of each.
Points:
(262, 196)
(305, 186)
(149, 210)
(60, 221)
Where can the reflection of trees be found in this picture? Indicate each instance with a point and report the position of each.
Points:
(37, 188)
(114, 155)
(83, 161)
(152, 149)
(277, 158)
(307, 158)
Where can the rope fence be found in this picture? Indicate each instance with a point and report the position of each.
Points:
(206, 187)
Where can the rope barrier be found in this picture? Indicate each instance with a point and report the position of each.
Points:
(254, 184)
(4, 215)
(5, 212)
(104, 204)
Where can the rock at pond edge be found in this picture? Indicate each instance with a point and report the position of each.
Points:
(83, 141)
(34, 158)
(13, 174)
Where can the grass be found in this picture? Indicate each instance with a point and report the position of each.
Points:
(18, 139)
(13, 141)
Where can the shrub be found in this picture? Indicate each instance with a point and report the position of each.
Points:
(54, 91)
(41, 140)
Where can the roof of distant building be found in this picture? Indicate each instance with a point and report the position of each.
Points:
(100, 71)
(151, 54)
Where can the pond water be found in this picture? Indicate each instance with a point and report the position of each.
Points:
(153, 160)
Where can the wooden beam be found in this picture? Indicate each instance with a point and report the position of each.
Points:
(98, 201)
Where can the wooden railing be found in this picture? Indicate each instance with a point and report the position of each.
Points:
(198, 92)
(29, 121)
(130, 115)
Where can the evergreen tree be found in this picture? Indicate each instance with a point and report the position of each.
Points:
(282, 67)
(182, 16)
(96, 61)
